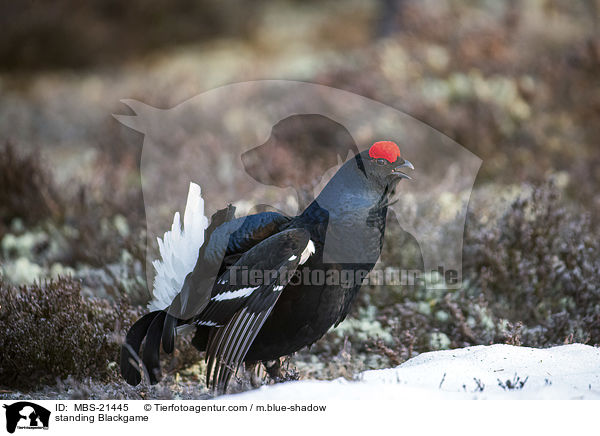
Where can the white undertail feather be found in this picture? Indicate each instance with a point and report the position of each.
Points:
(179, 250)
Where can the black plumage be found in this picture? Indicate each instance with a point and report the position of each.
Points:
(237, 321)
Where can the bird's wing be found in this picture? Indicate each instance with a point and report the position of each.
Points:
(254, 229)
(194, 283)
(244, 297)
(224, 235)
(228, 238)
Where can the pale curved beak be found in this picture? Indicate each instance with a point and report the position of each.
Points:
(397, 171)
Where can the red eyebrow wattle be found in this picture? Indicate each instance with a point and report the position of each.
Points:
(387, 150)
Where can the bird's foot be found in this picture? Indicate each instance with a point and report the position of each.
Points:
(273, 368)
(255, 375)
(278, 373)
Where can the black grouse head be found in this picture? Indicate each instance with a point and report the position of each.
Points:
(383, 165)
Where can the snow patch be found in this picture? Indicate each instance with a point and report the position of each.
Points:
(481, 372)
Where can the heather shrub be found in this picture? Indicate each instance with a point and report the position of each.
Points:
(531, 277)
(49, 331)
(539, 264)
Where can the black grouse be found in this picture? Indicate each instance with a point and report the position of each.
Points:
(267, 285)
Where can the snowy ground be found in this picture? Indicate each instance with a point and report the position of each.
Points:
(564, 372)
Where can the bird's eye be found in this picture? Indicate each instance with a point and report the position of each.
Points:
(381, 161)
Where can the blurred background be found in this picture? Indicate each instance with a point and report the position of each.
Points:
(515, 82)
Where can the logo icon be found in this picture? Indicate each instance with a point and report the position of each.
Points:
(266, 139)
(26, 415)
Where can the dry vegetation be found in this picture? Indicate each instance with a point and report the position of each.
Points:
(516, 84)
(49, 332)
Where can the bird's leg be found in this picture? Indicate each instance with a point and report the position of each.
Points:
(273, 368)
(254, 370)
